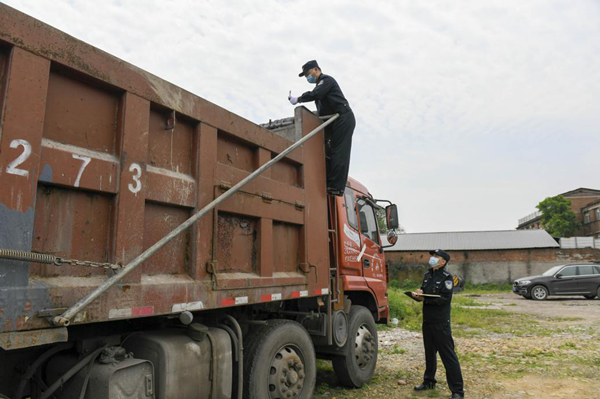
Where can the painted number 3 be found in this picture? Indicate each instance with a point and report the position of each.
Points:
(137, 173)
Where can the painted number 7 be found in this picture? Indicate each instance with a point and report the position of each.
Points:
(86, 162)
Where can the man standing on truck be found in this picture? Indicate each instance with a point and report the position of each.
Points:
(338, 137)
(437, 333)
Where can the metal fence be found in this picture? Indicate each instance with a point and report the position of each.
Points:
(580, 242)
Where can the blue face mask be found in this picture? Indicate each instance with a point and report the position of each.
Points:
(433, 261)
(311, 79)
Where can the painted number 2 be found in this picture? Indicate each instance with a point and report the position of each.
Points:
(12, 167)
(137, 173)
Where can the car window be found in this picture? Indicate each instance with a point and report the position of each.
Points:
(586, 270)
(552, 272)
(351, 209)
(569, 271)
(596, 270)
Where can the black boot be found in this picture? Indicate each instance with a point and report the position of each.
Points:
(425, 387)
(457, 396)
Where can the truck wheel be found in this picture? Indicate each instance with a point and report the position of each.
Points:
(279, 362)
(357, 364)
(539, 293)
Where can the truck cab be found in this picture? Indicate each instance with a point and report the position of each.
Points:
(362, 261)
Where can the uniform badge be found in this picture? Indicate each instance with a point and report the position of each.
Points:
(448, 284)
(320, 83)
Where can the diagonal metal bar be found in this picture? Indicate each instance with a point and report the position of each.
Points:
(65, 318)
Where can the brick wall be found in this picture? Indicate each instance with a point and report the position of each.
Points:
(497, 266)
(576, 204)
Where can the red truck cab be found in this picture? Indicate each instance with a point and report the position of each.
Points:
(361, 260)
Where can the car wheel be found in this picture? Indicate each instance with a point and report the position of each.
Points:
(598, 293)
(539, 293)
(356, 365)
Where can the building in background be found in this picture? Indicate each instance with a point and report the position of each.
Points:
(484, 256)
(591, 219)
(581, 199)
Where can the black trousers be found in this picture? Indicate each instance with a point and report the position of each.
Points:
(338, 147)
(437, 338)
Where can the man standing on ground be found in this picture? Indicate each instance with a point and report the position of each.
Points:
(338, 136)
(437, 333)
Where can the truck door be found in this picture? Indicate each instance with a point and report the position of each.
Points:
(371, 257)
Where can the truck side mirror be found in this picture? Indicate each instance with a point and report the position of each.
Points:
(392, 237)
(391, 217)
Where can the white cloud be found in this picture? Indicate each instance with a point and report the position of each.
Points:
(469, 112)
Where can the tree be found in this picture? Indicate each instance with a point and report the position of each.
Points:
(381, 222)
(558, 218)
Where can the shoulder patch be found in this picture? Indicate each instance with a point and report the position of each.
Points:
(320, 83)
(448, 284)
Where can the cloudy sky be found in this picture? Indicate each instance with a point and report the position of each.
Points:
(468, 112)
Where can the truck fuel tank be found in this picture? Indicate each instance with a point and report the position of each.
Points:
(189, 363)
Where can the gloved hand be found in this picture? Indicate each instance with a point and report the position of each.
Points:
(293, 100)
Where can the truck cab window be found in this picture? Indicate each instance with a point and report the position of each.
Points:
(351, 208)
(368, 223)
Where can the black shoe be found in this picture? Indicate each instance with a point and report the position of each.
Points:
(424, 387)
(457, 396)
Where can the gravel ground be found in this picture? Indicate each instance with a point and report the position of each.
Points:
(547, 350)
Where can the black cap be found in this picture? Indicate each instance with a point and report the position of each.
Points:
(309, 65)
(441, 253)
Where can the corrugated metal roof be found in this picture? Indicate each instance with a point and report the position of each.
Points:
(474, 240)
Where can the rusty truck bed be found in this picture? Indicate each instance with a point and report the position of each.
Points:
(100, 159)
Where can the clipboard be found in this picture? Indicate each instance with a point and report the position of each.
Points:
(409, 294)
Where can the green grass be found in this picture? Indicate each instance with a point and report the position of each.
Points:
(488, 288)
(396, 350)
(466, 321)
(501, 288)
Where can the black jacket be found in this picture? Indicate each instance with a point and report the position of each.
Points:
(327, 95)
(439, 282)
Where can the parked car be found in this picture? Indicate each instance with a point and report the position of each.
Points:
(582, 279)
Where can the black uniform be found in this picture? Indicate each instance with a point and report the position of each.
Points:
(437, 334)
(338, 136)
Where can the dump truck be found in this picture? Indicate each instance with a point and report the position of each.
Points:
(156, 245)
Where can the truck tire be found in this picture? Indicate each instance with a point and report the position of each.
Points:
(279, 360)
(357, 364)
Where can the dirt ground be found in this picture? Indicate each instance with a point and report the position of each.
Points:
(537, 350)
